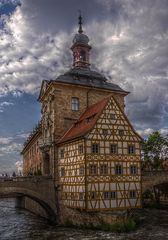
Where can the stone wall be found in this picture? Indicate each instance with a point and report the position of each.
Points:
(149, 179)
(63, 115)
(34, 207)
(77, 217)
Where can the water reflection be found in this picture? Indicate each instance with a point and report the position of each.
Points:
(18, 224)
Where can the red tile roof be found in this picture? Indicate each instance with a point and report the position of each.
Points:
(86, 121)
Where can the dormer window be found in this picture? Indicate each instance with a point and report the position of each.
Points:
(75, 104)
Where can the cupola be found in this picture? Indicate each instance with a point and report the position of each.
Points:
(81, 48)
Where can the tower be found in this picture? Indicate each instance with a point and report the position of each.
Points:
(81, 48)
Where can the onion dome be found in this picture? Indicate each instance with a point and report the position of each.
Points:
(80, 38)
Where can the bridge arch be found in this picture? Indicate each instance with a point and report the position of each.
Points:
(41, 190)
(21, 192)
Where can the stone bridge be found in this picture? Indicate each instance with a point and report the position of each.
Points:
(153, 178)
(39, 189)
(42, 191)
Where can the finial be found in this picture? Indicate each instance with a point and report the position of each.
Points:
(80, 23)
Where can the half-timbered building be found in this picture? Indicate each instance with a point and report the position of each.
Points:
(99, 160)
(87, 144)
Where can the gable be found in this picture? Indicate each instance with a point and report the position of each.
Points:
(114, 120)
(86, 122)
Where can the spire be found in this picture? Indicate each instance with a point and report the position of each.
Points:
(80, 23)
(80, 47)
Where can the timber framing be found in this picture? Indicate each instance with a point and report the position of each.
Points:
(88, 192)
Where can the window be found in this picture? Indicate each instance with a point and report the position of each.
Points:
(131, 149)
(80, 149)
(133, 169)
(72, 196)
(81, 196)
(105, 132)
(132, 194)
(93, 195)
(95, 148)
(75, 104)
(110, 195)
(121, 132)
(113, 149)
(62, 153)
(81, 170)
(93, 169)
(65, 196)
(112, 116)
(118, 169)
(82, 55)
(103, 169)
(62, 172)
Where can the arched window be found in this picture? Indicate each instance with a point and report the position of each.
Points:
(82, 55)
(75, 104)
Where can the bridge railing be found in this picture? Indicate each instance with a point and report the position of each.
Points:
(25, 179)
(154, 172)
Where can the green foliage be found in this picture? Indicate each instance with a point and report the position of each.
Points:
(119, 227)
(125, 226)
(148, 195)
(155, 151)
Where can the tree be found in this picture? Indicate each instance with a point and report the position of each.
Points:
(155, 151)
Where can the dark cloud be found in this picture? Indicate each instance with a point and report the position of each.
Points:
(129, 40)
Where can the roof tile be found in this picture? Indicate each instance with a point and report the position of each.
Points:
(86, 121)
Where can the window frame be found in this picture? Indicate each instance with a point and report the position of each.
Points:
(133, 169)
(62, 153)
(81, 196)
(95, 148)
(93, 169)
(116, 148)
(75, 104)
(117, 171)
(131, 149)
(93, 195)
(80, 147)
(112, 116)
(102, 169)
(82, 55)
(105, 132)
(132, 194)
(62, 172)
(121, 131)
(81, 170)
(110, 195)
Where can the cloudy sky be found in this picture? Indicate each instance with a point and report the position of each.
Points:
(129, 41)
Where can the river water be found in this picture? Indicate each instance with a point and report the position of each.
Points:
(21, 225)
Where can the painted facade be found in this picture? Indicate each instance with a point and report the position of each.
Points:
(32, 156)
